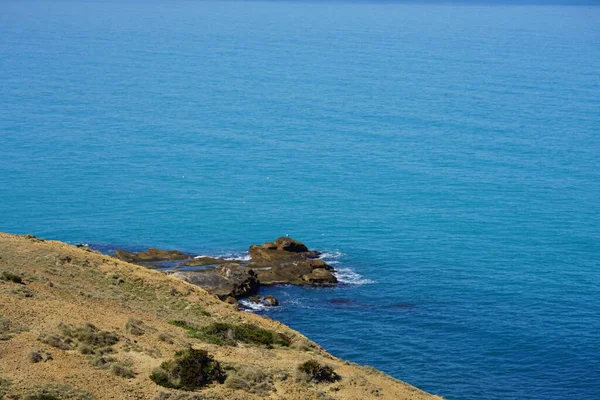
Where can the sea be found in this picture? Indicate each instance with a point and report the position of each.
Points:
(445, 158)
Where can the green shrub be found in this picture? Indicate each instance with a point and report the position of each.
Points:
(9, 276)
(135, 327)
(35, 357)
(122, 369)
(250, 379)
(90, 335)
(314, 371)
(190, 369)
(101, 362)
(5, 329)
(57, 341)
(165, 337)
(4, 386)
(222, 333)
(62, 392)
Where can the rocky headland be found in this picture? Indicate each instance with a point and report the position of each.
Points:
(78, 324)
(283, 261)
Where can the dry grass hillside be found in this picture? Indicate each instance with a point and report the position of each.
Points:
(76, 324)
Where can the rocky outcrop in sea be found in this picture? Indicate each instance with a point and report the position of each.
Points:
(283, 261)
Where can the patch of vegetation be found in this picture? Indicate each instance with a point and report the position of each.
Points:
(134, 346)
(313, 371)
(101, 361)
(197, 310)
(7, 329)
(33, 238)
(57, 341)
(9, 276)
(250, 379)
(36, 357)
(190, 396)
(225, 334)
(4, 387)
(62, 392)
(90, 335)
(135, 327)
(165, 337)
(189, 370)
(88, 339)
(122, 369)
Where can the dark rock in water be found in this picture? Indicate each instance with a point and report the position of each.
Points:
(270, 301)
(196, 262)
(289, 261)
(255, 299)
(151, 255)
(225, 280)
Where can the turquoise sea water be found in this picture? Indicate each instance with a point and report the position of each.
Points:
(446, 157)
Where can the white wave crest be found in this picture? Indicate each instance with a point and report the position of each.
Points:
(330, 255)
(253, 307)
(241, 257)
(229, 256)
(349, 277)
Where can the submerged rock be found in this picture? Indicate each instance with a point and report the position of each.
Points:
(151, 255)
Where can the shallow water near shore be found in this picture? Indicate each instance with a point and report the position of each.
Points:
(445, 158)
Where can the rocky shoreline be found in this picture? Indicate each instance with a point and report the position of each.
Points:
(283, 261)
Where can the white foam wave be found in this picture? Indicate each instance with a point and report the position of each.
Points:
(202, 256)
(330, 255)
(242, 257)
(253, 307)
(229, 256)
(349, 277)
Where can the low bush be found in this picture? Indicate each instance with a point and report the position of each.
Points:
(122, 369)
(5, 329)
(35, 357)
(90, 335)
(165, 337)
(189, 370)
(5, 385)
(9, 276)
(63, 392)
(225, 334)
(102, 362)
(135, 327)
(88, 339)
(315, 372)
(250, 379)
(57, 341)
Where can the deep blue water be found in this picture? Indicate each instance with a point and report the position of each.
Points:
(448, 155)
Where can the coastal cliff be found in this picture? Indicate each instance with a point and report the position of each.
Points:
(77, 324)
